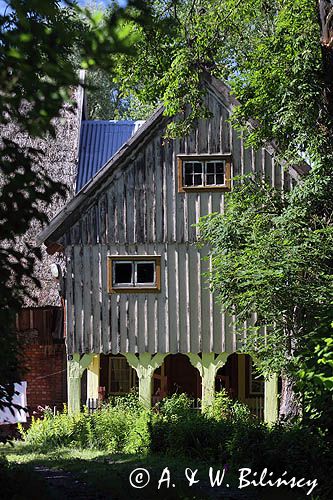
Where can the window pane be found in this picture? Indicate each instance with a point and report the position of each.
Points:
(120, 375)
(210, 179)
(210, 168)
(197, 180)
(198, 167)
(188, 180)
(188, 167)
(145, 272)
(219, 166)
(122, 272)
(219, 179)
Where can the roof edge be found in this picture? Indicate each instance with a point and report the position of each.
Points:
(296, 171)
(67, 212)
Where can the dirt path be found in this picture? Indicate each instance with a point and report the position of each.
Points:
(63, 485)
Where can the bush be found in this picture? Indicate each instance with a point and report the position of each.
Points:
(56, 431)
(226, 434)
(225, 408)
(175, 406)
(121, 425)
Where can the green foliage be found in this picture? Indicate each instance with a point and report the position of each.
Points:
(227, 435)
(120, 426)
(272, 268)
(175, 406)
(269, 53)
(314, 373)
(37, 76)
(224, 408)
(266, 265)
(106, 102)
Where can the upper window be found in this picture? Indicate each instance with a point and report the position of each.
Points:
(204, 172)
(134, 273)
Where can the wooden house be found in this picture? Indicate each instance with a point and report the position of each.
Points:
(137, 304)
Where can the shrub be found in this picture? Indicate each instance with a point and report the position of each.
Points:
(226, 434)
(175, 406)
(224, 408)
(55, 431)
(121, 425)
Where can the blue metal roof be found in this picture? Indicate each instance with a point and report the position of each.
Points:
(99, 141)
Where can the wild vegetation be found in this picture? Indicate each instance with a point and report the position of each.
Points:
(36, 80)
(271, 251)
(227, 435)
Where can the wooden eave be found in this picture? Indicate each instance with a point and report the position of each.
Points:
(66, 217)
(219, 88)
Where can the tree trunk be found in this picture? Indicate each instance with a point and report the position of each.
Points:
(326, 27)
(289, 402)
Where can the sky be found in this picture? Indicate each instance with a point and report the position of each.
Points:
(122, 3)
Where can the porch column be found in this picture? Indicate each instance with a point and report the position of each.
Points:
(208, 364)
(93, 377)
(145, 364)
(76, 364)
(271, 400)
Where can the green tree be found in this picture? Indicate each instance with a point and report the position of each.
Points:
(278, 60)
(37, 39)
(106, 101)
(274, 272)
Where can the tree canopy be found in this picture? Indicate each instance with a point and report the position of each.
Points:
(271, 251)
(37, 76)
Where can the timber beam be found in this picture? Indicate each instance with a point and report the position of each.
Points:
(271, 400)
(208, 363)
(76, 364)
(145, 364)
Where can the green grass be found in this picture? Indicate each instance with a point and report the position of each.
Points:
(108, 474)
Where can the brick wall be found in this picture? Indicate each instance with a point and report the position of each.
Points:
(43, 355)
(46, 375)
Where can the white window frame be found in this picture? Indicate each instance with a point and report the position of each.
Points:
(204, 173)
(121, 285)
(134, 282)
(204, 160)
(134, 285)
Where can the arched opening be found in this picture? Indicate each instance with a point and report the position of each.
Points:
(182, 376)
(117, 377)
(227, 377)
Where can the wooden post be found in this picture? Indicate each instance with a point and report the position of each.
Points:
(93, 377)
(271, 400)
(241, 377)
(208, 365)
(76, 364)
(145, 364)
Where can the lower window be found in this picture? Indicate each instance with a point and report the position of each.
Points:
(257, 382)
(122, 378)
(134, 273)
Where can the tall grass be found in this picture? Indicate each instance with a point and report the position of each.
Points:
(227, 434)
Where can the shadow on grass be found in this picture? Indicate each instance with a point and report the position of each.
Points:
(103, 475)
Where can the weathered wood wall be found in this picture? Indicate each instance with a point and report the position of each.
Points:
(140, 211)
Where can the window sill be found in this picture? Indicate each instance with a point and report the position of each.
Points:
(199, 189)
(135, 290)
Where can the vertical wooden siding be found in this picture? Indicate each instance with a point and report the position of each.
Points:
(139, 211)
